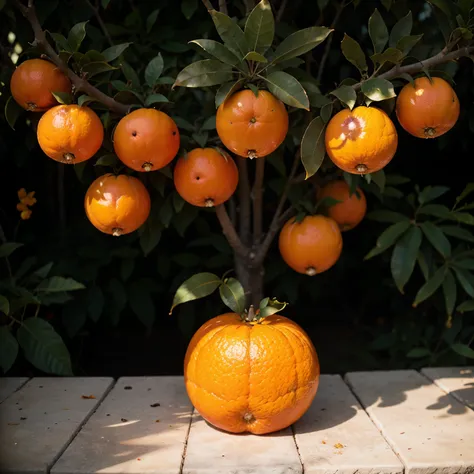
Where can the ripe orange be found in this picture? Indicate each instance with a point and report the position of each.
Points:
(311, 246)
(427, 110)
(352, 208)
(70, 133)
(247, 377)
(117, 205)
(361, 141)
(251, 126)
(146, 140)
(206, 177)
(33, 81)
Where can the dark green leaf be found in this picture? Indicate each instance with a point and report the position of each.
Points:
(166, 212)
(151, 19)
(347, 95)
(391, 55)
(388, 237)
(44, 347)
(57, 283)
(404, 257)
(457, 232)
(437, 239)
(74, 318)
(150, 232)
(463, 350)
(254, 56)
(97, 67)
(326, 112)
(131, 75)
(12, 112)
(300, 42)
(114, 51)
(464, 217)
(377, 89)
(178, 202)
(230, 33)
(387, 216)
(155, 99)
(233, 295)
(209, 123)
(273, 306)
(446, 6)
(189, 7)
(378, 31)
(466, 306)
(8, 349)
(226, 90)
(418, 353)
(76, 35)
(313, 149)
(430, 193)
(287, 89)
(218, 50)
(4, 305)
(466, 280)
(208, 72)
(401, 29)
(465, 193)
(63, 97)
(379, 179)
(61, 42)
(85, 99)
(436, 210)
(107, 160)
(198, 286)
(406, 44)
(153, 70)
(141, 303)
(96, 302)
(8, 248)
(260, 27)
(353, 53)
(449, 291)
(430, 286)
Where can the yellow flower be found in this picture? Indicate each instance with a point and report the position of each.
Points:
(26, 199)
(29, 200)
(22, 193)
(25, 214)
(21, 207)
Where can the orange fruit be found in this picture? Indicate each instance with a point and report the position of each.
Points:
(117, 205)
(351, 210)
(251, 377)
(427, 109)
(312, 245)
(251, 126)
(70, 133)
(146, 140)
(33, 81)
(361, 141)
(206, 177)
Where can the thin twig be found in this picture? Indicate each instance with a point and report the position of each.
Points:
(79, 83)
(257, 193)
(223, 7)
(229, 231)
(244, 199)
(281, 10)
(208, 5)
(104, 29)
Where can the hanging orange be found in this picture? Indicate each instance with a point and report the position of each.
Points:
(351, 210)
(33, 81)
(427, 109)
(247, 377)
(70, 133)
(361, 141)
(312, 245)
(146, 140)
(251, 126)
(206, 177)
(117, 205)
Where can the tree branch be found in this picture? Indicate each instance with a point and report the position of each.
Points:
(104, 29)
(257, 193)
(79, 83)
(223, 7)
(208, 5)
(244, 198)
(229, 231)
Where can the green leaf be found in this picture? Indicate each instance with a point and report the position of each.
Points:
(300, 42)
(63, 97)
(141, 303)
(96, 302)
(85, 99)
(273, 306)
(418, 353)
(57, 283)
(226, 90)
(233, 295)
(189, 7)
(437, 239)
(76, 35)
(404, 257)
(260, 27)
(114, 51)
(346, 94)
(155, 99)
(151, 20)
(388, 237)
(457, 232)
(378, 31)
(464, 217)
(313, 149)
(436, 210)
(449, 291)
(406, 44)
(390, 55)
(12, 112)
(463, 350)
(465, 193)
(198, 286)
(353, 53)
(8, 349)
(430, 193)
(97, 67)
(466, 280)
(379, 179)
(74, 318)
(377, 89)
(254, 56)
(153, 70)
(208, 72)
(8, 248)
(61, 42)
(466, 306)
(446, 6)
(150, 232)
(4, 305)
(44, 347)
(107, 160)
(131, 75)
(230, 33)
(209, 123)
(218, 50)
(401, 29)
(430, 286)
(386, 216)
(178, 202)
(286, 88)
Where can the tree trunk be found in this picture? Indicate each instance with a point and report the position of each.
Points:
(251, 278)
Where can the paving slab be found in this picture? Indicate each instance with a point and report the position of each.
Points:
(38, 421)
(211, 451)
(457, 381)
(9, 385)
(141, 427)
(428, 433)
(336, 435)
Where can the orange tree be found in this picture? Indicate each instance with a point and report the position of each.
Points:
(260, 93)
